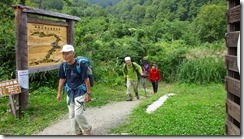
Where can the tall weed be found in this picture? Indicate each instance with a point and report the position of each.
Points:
(202, 70)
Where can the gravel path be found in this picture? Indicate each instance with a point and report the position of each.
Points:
(101, 118)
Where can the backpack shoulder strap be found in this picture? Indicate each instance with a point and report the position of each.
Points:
(125, 69)
(64, 67)
(134, 67)
(78, 65)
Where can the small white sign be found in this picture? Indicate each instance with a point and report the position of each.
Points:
(23, 78)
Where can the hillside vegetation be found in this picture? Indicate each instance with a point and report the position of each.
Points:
(175, 32)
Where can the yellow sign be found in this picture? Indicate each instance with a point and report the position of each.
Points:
(45, 43)
(9, 87)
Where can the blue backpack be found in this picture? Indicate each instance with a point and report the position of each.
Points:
(87, 62)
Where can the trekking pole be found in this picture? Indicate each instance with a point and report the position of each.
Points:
(144, 85)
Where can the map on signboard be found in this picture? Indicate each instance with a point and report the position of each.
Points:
(45, 43)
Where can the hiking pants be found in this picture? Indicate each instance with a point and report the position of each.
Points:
(155, 86)
(76, 115)
(130, 83)
(143, 83)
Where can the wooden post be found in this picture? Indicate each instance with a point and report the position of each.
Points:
(16, 104)
(21, 51)
(70, 32)
(12, 106)
(232, 79)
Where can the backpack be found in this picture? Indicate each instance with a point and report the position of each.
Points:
(89, 69)
(134, 68)
(145, 69)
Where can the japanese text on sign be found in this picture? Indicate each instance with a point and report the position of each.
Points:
(9, 87)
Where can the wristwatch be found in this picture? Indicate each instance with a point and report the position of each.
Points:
(89, 93)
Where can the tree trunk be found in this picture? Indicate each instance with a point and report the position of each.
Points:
(22, 2)
(41, 4)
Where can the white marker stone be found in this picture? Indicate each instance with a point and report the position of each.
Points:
(156, 104)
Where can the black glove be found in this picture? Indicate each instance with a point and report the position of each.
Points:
(144, 76)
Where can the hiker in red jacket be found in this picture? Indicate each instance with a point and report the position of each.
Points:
(154, 77)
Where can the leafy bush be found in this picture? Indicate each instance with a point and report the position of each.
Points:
(43, 79)
(7, 42)
(109, 73)
(168, 56)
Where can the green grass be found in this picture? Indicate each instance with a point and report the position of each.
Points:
(42, 110)
(194, 110)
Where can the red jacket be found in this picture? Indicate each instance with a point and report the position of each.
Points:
(154, 74)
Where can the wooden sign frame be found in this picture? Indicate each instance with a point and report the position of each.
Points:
(43, 20)
(26, 16)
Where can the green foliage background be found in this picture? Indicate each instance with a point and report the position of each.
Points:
(165, 32)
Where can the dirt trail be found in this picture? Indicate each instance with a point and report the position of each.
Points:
(101, 118)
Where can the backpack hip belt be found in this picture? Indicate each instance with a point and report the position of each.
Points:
(71, 91)
(81, 87)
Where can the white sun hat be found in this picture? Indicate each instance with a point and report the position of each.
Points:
(127, 58)
(67, 48)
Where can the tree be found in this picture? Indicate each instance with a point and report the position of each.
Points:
(138, 13)
(22, 2)
(210, 23)
(7, 40)
(151, 13)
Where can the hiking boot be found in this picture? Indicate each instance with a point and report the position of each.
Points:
(88, 132)
(129, 99)
(80, 134)
(137, 96)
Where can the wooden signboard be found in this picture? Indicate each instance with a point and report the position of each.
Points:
(9, 87)
(45, 43)
(40, 35)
